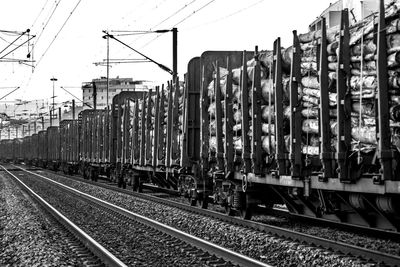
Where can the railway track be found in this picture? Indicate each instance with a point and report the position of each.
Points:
(204, 251)
(86, 247)
(367, 254)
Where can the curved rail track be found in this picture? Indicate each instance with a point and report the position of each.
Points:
(217, 255)
(341, 247)
(102, 255)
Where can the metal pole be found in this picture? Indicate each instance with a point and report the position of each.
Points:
(16, 131)
(94, 95)
(42, 123)
(174, 53)
(34, 127)
(73, 109)
(9, 134)
(59, 115)
(108, 70)
(51, 118)
(23, 131)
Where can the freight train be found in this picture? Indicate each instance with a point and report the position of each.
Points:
(314, 126)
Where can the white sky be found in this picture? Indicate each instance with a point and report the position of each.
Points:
(70, 58)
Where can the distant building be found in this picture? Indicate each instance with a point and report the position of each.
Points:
(98, 88)
(358, 10)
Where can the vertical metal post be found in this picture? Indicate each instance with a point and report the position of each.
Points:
(157, 119)
(278, 88)
(51, 118)
(16, 131)
(143, 131)
(148, 130)
(169, 124)
(161, 135)
(23, 131)
(324, 125)
(343, 100)
(94, 96)
(42, 123)
(9, 133)
(218, 119)
(383, 133)
(108, 72)
(295, 107)
(34, 127)
(256, 96)
(59, 115)
(73, 109)
(229, 156)
(245, 116)
(174, 54)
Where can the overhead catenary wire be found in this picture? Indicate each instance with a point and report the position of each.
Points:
(48, 20)
(40, 13)
(55, 37)
(181, 21)
(226, 16)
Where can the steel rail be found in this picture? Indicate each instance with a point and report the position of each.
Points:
(213, 249)
(367, 254)
(98, 250)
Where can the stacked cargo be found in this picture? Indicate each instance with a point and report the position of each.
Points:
(362, 81)
(309, 93)
(266, 99)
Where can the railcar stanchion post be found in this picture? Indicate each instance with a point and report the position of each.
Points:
(169, 124)
(295, 108)
(278, 89)
(324, 125)
(157, 118)
(256, 144)
(175, 124)
(161, 127)
(343, 100)
(229, 156)
(143, 131)
(218, 119)
(135, 136)
(148, 129)
(385, 154)
(246, 149)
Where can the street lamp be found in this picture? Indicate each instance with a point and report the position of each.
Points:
(52, 108)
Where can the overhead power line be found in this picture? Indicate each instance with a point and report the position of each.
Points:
(40, 13)
(48, 20)
(182, 20)
(226, 16)
(55, 37)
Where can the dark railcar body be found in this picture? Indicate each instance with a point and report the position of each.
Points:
(54, 148)
(69, 145)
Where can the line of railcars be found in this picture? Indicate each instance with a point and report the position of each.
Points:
(243, 131)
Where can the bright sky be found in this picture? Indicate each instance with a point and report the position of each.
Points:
(220, 25)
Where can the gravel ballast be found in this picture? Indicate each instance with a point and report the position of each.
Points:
(252, 243)
(133, 244)
(28, 236)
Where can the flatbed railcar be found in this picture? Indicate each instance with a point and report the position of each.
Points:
(306, 126)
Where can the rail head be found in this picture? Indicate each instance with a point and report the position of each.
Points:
(226, 254)
(98, 250)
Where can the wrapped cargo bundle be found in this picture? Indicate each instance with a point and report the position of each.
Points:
(363, 81)
(267, 102)
(310, 93)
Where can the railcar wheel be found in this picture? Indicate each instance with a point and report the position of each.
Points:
(246, 213)
(229, 211)
(202, 203)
